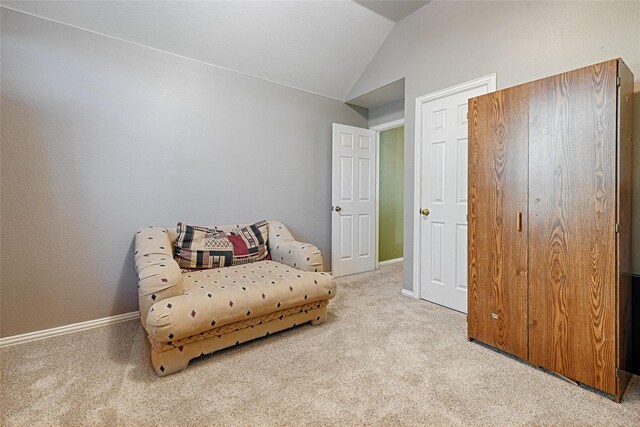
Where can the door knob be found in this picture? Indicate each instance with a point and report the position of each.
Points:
(337, 208)
(424, 211)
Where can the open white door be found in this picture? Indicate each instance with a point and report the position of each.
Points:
(441, 138)
(353, 200)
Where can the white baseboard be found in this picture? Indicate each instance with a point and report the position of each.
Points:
(67, 329)
(407, 293)
(391, 261)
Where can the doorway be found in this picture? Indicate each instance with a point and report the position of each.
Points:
(440, 220)
(390, 184)
(367, 197)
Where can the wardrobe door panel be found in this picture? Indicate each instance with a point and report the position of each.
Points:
(498, 126)
(625, 183)
(572, 215)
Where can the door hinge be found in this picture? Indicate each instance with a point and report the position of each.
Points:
(618, 81)
(617, 373)
(467, 115)
(617, 227)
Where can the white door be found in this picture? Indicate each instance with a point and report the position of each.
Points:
(442, 135)
(353, 200)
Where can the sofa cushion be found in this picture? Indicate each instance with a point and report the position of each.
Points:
(218, 297)
(210, 247)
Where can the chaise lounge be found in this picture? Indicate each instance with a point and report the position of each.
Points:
(189, 313)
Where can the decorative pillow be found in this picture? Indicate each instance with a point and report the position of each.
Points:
(206, 247)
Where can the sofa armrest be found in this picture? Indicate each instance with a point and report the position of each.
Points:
(285, 249)
(159, 276)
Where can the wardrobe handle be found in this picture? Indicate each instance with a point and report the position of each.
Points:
(519, 221)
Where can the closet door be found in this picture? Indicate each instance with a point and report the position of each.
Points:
(498, 126)
(625, 187)
(572, 207)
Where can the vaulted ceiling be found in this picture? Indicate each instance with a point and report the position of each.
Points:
(317, 46)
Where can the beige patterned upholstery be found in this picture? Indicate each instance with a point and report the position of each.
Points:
(285, 249)
(159, 276)
(198, 312)
(176, 358)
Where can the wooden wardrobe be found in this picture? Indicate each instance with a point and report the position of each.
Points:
(550, 223)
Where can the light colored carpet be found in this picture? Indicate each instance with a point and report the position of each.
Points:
(382, 359)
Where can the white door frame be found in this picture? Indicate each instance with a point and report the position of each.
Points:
(380, 128)
(489, 82)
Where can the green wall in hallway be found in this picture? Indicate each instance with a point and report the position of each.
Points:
(391, 193)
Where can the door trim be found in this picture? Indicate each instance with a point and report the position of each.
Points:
(379, 128)
(388, 125)
(488, 81)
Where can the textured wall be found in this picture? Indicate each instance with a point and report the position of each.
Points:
(391, 193)
(386, 113)
(447, 43)
(101, 138)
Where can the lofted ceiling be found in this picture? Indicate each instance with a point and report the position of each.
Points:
(317, 46)
(395, 10)
(382, 95)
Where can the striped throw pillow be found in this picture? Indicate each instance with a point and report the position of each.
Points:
(199, 247)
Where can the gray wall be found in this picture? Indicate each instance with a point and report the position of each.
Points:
(101, 138)
(447, 43)
(386, 113)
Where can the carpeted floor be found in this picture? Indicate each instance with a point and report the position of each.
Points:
(382, 359)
